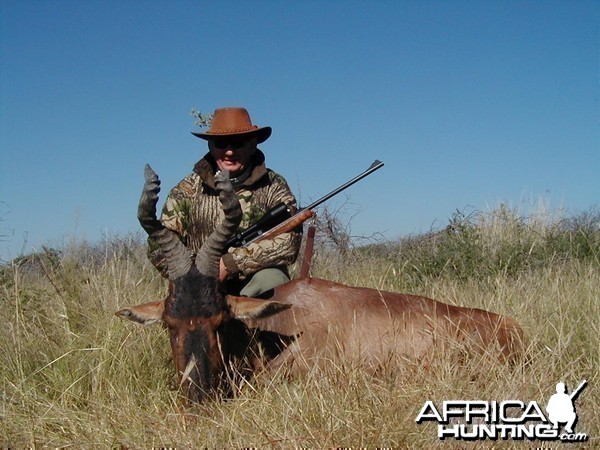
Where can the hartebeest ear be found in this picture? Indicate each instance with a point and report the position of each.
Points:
(146, 313)
(253, 308)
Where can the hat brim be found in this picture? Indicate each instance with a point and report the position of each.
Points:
(262, 134)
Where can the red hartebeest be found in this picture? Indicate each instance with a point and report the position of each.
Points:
(212, 332)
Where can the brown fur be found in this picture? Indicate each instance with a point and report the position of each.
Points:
(370, 325)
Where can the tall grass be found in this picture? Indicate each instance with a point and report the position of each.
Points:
(71, 374)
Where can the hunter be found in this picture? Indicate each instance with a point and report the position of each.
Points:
(192, 208)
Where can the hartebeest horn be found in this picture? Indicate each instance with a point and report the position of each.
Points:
(179, 259)
(207, 259)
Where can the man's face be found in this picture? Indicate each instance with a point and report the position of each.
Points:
(232, 154)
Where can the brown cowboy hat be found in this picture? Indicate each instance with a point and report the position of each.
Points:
(234, 122)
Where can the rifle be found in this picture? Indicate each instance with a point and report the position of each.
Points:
(576, 392)
(279, 220)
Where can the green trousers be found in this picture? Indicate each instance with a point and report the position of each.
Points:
(264, 280)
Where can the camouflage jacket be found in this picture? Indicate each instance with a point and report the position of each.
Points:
(192, 210)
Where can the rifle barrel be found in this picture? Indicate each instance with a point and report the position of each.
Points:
(376, 165)
(579, 388)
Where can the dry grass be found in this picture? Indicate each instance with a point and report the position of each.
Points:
(73, 375)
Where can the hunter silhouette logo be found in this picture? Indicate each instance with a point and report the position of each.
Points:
(510, 419)
(560, 406)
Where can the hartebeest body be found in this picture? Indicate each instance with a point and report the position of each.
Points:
(212, 333)
(370, 325)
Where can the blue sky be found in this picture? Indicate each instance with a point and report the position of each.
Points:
(469, 103)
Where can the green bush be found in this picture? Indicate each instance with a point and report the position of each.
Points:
(483, 245)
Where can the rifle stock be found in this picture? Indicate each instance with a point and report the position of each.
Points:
(286, 226)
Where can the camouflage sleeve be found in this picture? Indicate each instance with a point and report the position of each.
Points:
(279, 251)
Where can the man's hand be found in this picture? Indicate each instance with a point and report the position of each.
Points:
(223, 272)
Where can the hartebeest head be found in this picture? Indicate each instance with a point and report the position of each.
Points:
(196, 311)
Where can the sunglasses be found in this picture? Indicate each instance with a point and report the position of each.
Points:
(224, 143)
